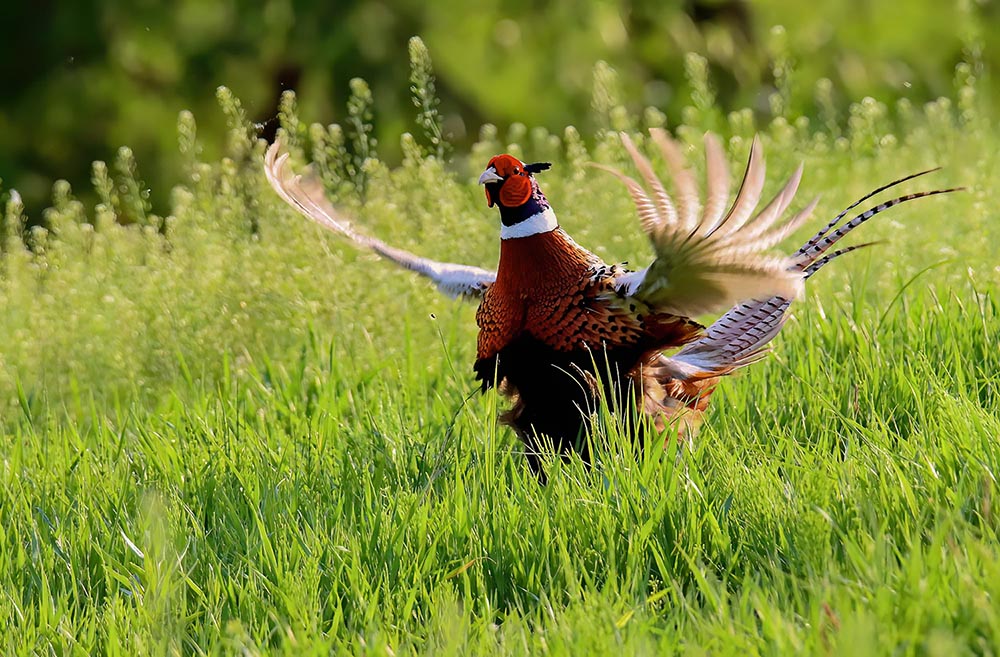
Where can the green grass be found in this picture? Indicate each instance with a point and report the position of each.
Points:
(228, 433)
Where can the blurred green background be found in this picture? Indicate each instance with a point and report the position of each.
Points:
(81, 79)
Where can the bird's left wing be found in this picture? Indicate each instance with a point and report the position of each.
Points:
(305, 194)
(741, 336)
(708, 258)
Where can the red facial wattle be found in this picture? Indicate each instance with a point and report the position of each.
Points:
(515, 188)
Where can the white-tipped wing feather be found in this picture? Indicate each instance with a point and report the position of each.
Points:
(305, 194)
(708, 259)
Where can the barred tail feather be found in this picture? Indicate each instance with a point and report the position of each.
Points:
(820, 263)
(843, 213)
(816, 247)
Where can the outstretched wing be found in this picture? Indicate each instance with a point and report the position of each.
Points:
(676, 388)
(708, 258)
(305, 194)
(742, 334)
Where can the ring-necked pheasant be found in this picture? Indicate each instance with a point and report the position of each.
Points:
(559, 329)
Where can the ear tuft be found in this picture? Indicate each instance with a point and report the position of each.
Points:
(537, 167)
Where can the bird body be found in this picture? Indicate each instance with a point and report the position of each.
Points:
(554, 324)
(549, 287)
(560, 330)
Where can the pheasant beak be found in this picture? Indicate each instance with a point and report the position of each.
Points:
(490, 175)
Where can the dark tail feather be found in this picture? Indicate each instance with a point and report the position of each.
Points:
(809, 252)
(816, 266)
(836, 220)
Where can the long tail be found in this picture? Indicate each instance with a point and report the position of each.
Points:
(681, 384)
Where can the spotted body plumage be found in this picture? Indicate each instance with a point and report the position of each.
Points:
(552, 289)
(560, 331)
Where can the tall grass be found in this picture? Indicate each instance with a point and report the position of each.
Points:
(228, 433)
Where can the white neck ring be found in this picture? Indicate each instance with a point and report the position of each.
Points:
(543, 222)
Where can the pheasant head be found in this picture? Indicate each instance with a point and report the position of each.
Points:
(510, 185)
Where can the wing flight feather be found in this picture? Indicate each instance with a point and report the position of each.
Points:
(305, 194)
(707, 260)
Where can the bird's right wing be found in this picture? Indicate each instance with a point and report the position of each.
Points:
(306, 195)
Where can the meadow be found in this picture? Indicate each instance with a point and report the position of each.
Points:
(226, 432)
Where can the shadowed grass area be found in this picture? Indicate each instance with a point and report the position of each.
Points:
(228, 433)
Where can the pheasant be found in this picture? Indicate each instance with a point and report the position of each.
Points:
(560, 330)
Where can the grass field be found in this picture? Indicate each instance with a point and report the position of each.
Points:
(227, 433)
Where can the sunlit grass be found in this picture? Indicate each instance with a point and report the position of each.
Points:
(226, 432)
